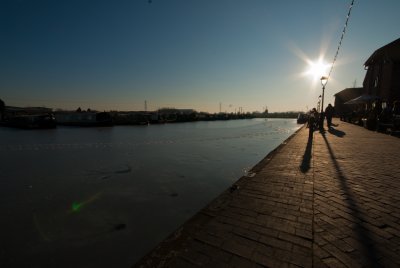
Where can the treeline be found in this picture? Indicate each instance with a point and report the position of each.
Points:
(283, 115)
(172, 115)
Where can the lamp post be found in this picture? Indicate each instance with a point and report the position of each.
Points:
(324, 80)
(319, 103)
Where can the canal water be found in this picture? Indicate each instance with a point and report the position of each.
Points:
(104, 197)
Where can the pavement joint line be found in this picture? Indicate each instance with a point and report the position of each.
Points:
(313, 203)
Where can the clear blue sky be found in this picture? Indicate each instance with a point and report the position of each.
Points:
(107, 55)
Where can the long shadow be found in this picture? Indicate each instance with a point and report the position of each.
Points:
(305, 163)
(371, 253)
(336, 132)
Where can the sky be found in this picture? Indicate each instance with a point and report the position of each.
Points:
(253, 54)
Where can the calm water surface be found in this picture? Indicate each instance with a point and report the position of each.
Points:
(104, 197)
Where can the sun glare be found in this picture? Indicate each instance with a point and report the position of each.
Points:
(316, 69)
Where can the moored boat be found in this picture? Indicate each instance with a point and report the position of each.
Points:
(40, 121)
(302, 118)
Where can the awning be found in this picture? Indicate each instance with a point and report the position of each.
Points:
(362, 99)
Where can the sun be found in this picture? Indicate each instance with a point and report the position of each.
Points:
(317, 69)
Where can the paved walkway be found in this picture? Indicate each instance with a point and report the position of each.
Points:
(333, 201)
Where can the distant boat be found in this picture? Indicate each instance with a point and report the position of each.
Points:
(41, 121)
(85, 119)
(302, 118)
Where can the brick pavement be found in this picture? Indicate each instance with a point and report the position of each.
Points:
(330, 201)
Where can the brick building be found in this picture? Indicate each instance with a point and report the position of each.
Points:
(383, 73)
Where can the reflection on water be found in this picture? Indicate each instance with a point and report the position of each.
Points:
(103, 197)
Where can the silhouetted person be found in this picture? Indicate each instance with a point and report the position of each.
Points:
(386, 115)
(377, 108)
(312, 119)
(396, 115)
(329, 114)
(396, 108)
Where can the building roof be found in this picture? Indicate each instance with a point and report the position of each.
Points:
(389, 52)
(349, 93)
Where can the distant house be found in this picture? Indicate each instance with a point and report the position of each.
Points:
(383, 73)
(344, 96)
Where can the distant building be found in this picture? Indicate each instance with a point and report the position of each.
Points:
(177, 115)
(382, 79)
(344, 96)
(383, 73)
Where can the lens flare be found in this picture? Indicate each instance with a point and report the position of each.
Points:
(312, 68)
(40, 229)
(77, 206)
(317, 69)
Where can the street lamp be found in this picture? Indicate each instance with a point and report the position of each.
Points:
(319, 104)
(324, 80)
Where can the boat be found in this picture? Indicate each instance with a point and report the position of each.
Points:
(85, 119)
(39, 121)
(302, 118)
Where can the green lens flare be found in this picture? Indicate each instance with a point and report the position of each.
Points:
(76, 206)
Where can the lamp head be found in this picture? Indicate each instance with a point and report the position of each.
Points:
(324, 80)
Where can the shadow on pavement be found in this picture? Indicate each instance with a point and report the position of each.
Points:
(336, 132)
(305, 164)
(367, 244)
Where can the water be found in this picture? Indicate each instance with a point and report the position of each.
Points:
(104, 197)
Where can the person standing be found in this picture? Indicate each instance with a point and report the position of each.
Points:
(312, 118)
(329, 114)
